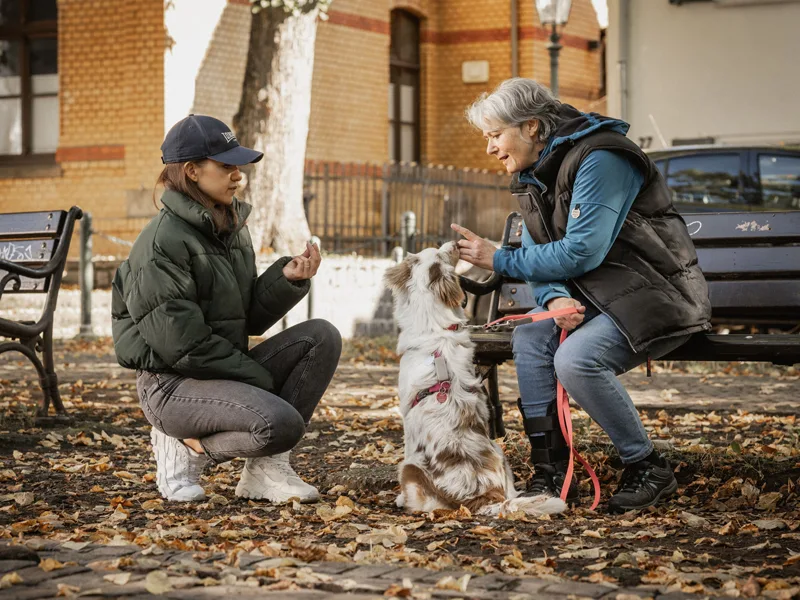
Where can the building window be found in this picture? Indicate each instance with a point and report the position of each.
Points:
(404, 64)
(28, 79)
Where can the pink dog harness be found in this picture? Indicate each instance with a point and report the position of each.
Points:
(442, 387)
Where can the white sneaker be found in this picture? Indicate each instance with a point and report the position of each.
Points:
(178, 468)
(272, 478)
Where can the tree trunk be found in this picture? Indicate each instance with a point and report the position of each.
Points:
(273, 118)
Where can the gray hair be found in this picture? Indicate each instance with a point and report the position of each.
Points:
(514, 102)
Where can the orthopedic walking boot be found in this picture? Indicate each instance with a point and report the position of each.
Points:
(549, 456)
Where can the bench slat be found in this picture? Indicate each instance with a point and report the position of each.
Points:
(515, 298)
(492, 347)
(778, 299)
(735, 229)
(741, 228)
(778, 349)
(32, 224)
(767, 298)
(750, 262)
(515, 234)
(27, 252)
(495, 347)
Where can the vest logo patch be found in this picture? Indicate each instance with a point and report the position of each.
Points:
(229, 136)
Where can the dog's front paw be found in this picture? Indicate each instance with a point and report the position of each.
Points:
(400, 501)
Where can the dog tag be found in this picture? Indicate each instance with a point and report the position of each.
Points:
(444, 388)
(441, 368)
(576, 212)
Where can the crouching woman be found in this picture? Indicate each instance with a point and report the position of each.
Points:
(183, 306)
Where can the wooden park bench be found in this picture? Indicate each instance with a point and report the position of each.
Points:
(751, 261)
(33, 252)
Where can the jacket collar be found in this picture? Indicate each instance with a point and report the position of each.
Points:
(573, 126)
(199, 217)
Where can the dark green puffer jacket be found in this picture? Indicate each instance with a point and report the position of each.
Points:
(186, 299)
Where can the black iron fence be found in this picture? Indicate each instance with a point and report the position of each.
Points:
(361, 207)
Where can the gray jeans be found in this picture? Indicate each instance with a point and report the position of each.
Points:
(233, 419)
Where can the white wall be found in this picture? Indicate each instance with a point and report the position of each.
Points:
(707, 69)
(190, 24)
(348, 291)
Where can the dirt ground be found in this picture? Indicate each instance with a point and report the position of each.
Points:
(730, 431)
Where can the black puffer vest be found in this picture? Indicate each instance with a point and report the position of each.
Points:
(649, 284)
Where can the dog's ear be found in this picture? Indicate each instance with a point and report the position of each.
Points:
(445, 285)
(398, 276)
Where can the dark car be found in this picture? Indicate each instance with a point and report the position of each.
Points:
(731, 178)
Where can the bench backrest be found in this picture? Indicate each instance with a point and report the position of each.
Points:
(750, 259)
(30, 239)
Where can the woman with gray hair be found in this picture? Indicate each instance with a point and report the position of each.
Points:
(600, 235)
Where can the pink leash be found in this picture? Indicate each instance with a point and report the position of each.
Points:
(562, 405)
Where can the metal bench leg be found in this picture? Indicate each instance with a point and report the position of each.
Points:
(495, 408)
(50, 379)
(29, 347)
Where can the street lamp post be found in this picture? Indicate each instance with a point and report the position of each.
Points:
(553, 47)
(554, 13)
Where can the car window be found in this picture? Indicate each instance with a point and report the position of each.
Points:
(779, 176)
(705, 182)
(662, 165)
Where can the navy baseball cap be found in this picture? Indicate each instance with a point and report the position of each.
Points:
(198, 136)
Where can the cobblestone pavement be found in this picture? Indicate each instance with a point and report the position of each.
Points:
(722, 533)
(95, 571)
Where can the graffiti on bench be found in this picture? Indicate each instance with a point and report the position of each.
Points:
(753, 226)
(694, 227)
(16, 252)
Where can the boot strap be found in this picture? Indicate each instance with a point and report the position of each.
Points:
(541, 424)
(550, 446)
(549, 455)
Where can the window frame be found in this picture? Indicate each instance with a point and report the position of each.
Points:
(24, 32)
(415, 69)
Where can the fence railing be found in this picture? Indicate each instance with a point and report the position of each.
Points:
(359, 207)
(367, 209)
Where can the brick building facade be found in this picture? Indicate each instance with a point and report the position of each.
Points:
(109, 122)
(351, 73)
(113, 104)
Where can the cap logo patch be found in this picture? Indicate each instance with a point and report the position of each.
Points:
(229, 136)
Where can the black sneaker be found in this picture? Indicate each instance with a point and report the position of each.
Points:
(548, 479)
(643, 484)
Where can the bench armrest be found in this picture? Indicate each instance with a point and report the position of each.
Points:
(31, 272)
(478, 288)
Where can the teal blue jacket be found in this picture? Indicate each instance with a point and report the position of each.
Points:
(605, 187)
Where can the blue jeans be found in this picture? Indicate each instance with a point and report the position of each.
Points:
(587, 364)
